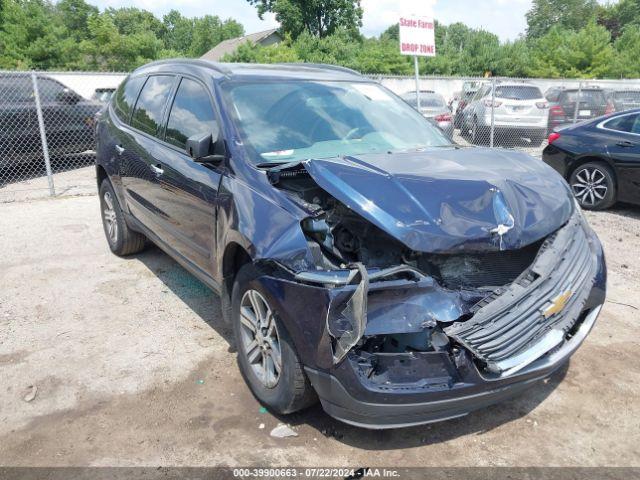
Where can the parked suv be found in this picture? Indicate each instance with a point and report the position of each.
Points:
(360, 257)
(68, 119)
(519, 109)
(621, 100)
(575, 104)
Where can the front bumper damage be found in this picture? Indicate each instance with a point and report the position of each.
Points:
(390, 348)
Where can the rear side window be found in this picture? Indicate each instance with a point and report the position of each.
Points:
(147, 116)
(627, 124)
(16, 89)
(518, 93)
(126, 96)
(191, 113)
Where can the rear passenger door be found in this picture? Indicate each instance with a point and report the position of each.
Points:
(188, 194)
(140, 152)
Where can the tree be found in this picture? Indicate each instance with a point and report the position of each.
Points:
(628, 51)
(209, 31)
(587, 53)
(178, 31)
(75, 16)
(566, 14)
(320, 18)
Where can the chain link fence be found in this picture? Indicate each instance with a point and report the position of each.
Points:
(47, 131)
(47, 119)
(513, 113)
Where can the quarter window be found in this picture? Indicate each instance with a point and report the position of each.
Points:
(125, 97)
(191, 113)
(147, 116)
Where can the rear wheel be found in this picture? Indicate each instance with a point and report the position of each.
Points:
(266, 354)
(122, 240)
(478, 134)
(594, 186)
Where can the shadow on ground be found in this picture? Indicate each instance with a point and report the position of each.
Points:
(195, 294)
(206, 305)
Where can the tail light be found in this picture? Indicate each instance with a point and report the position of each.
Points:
(553, 137)
(445, 117)
(542, 105)
(610, 109)
(492, 104)
(557, 111)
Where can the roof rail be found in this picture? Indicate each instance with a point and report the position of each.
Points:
(190, 61)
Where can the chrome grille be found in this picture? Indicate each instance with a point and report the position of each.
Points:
(514, 321)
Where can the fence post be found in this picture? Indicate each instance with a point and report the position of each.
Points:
(493, 107)
(575, 111)
(43, 134)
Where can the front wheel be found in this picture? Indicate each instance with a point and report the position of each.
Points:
(594, 186)
(266, 355)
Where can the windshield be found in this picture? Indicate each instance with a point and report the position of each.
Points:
(518, 93)
(296, 120)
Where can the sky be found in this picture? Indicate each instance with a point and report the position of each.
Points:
(506, 18)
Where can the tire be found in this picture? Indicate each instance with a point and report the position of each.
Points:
(291, 390)
(594, 186)
(478, 134)
(121, 239)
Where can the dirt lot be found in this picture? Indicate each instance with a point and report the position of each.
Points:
(133, 366)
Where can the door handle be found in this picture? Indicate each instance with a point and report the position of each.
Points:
(119, 149)
(625, 144)
(157, 169)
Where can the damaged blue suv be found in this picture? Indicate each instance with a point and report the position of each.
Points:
(361, 258)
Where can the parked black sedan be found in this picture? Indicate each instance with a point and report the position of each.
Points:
(600, 159)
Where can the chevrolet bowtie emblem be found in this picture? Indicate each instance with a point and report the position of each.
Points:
(557, 304)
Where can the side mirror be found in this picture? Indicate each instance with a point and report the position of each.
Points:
(199, 146)
(201, 149)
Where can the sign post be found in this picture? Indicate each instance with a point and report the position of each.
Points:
(417, 38)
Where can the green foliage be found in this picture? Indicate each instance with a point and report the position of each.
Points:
(565, 14)
(587, 53)
(73, 35)
(320, 18)
(565, 38)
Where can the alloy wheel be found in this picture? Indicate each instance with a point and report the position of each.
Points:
(260, 341)
(590, 186)
(110, 219)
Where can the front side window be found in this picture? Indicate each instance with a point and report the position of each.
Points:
(296, 120)
(191, 113)
(125, 97)
(147, 115)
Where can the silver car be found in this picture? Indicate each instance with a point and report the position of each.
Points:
(519, 110)
(434, 108)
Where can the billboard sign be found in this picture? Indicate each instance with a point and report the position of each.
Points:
(417, 36)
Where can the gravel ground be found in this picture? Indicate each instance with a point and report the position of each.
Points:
(132, 366)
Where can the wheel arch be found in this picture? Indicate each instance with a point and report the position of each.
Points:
(235, 256)
(590, 158)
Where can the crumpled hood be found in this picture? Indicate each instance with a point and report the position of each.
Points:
(449, 199)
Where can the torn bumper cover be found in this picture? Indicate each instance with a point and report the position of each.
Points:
(362, 334)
